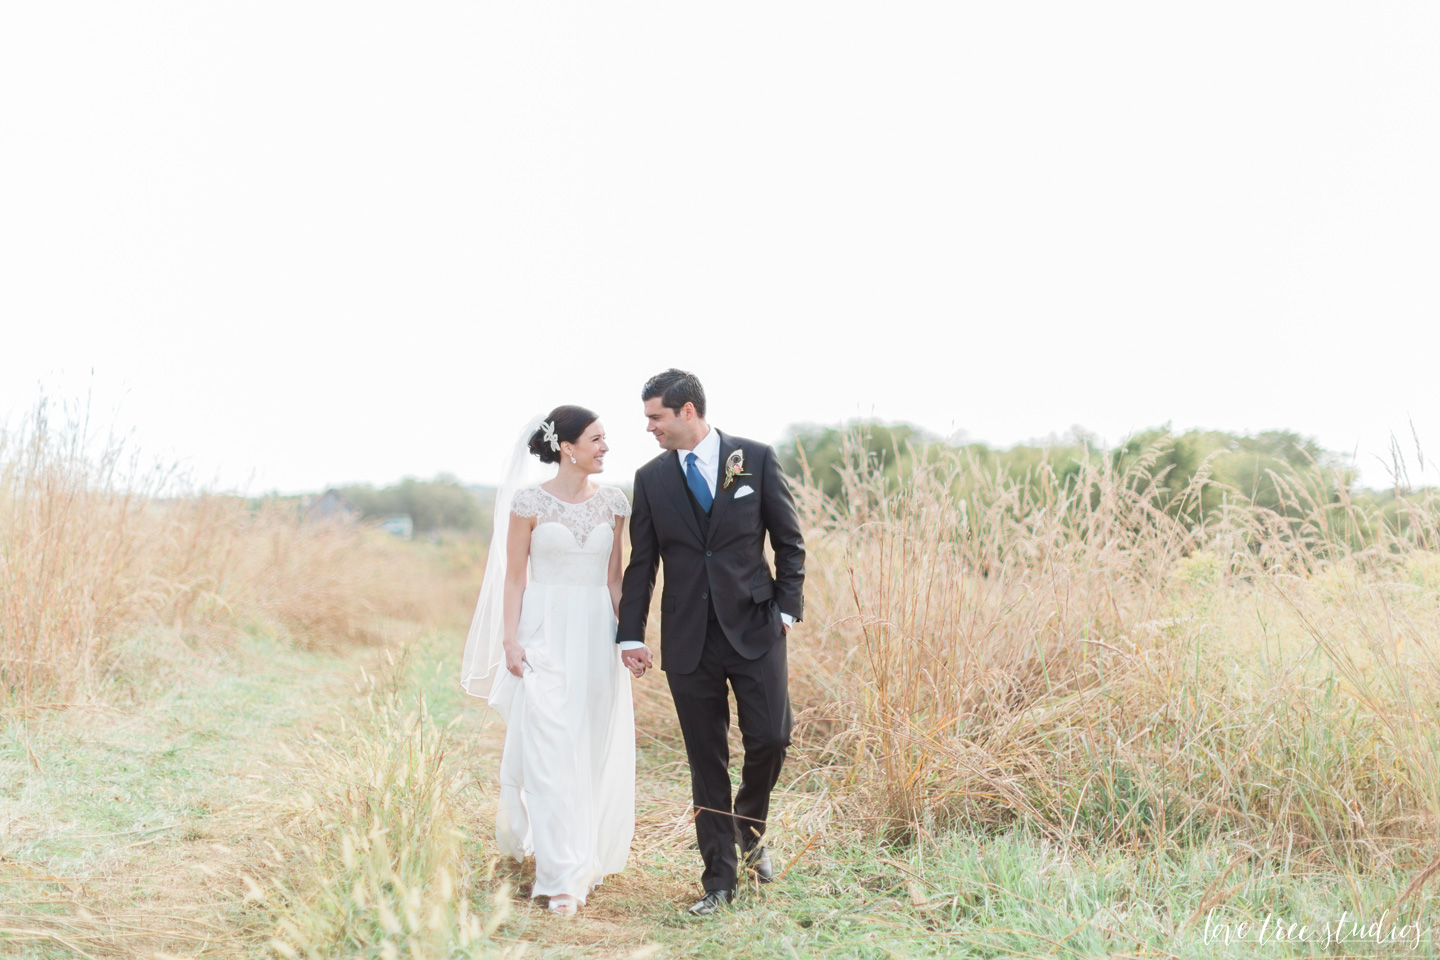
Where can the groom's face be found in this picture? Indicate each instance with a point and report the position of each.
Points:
(673, 430)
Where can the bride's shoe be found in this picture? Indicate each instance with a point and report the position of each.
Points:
(564, 905)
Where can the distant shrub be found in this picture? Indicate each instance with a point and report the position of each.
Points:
(439, 504)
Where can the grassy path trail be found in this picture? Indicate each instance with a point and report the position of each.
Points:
(637, 913)
(138, 831)
(135, 830)
(124, 828)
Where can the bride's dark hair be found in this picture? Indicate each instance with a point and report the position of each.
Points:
(570, 421)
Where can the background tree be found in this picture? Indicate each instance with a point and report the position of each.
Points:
(1279, 470)
(439, 504)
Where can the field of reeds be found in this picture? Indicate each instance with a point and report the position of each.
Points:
(1084, 659)
(159, 646)
(96, 548)
(1058, 714)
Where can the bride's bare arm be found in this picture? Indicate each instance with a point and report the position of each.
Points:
(517, 559)
(617, 569)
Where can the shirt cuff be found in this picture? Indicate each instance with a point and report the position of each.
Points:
(789, 620)
(632, 645)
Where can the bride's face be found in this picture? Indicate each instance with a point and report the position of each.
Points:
(589, 448)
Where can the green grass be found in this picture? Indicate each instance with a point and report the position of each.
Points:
(963, 894)
(168, 761)
(1012, 895)
(114, 809)
(129, 803)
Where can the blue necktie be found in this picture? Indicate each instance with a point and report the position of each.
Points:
(696, 483)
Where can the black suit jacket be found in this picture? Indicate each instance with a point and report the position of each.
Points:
(726, 570)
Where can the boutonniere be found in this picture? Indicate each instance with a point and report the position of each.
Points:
(734, 467)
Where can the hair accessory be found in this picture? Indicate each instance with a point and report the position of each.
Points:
(549, 427)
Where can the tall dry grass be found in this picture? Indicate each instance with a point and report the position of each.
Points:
(94, 548)
(371, 841)
(1073, 656)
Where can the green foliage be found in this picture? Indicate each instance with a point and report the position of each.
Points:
(822, 451)
(1192, 475)
(1262, 468)
(897, 447)
(439, 504)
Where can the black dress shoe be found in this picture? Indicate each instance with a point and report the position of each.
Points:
(758, 859)
(712, 901)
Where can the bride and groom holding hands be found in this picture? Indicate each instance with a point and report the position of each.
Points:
(559, 631)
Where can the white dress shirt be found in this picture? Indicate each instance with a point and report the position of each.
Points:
(707, 461)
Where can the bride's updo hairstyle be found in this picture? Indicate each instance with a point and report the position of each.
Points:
(570, 421)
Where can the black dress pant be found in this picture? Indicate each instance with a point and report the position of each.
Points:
(762, 703)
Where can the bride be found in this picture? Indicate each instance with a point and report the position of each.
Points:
(541, 651)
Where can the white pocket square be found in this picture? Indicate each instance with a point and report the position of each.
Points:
(744, 491)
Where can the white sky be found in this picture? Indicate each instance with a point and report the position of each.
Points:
(311, 243)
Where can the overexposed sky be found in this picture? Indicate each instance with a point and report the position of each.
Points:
(307, 243)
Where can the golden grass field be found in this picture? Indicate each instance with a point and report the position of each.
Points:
(1041, 719)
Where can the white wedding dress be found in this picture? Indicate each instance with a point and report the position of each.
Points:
(567, 775)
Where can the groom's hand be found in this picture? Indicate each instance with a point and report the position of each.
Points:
(636, 661)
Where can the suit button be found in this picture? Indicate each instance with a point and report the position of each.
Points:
(704, 596)
(707, 553)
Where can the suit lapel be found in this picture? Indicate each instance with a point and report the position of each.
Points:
(722, 496)
(674, 483)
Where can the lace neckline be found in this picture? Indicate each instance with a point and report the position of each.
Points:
(570, 503)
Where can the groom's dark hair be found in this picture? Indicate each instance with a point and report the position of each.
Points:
(675, 388)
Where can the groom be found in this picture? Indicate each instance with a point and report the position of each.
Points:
(704, 507)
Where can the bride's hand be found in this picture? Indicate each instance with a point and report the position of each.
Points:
(636, 661)
(514, 658)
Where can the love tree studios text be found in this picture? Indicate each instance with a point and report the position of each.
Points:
(1346, 929)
